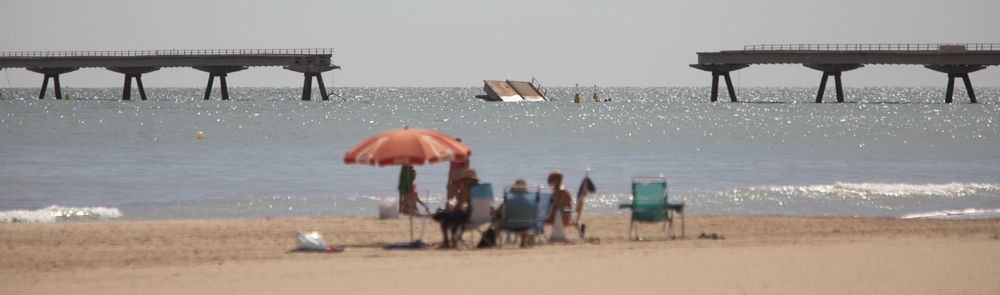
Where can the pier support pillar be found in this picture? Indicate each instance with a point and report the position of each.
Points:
(957, 71)
(721, 70)
(834, 70)
(51, 73)
(310, 72)
(307, 86)
(130, 74)
(221, 72)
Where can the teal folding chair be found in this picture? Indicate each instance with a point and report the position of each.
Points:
(650, 205)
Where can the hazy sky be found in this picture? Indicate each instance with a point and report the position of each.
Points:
(462, 42)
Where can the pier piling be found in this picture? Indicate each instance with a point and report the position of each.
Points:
(834, 70)
(130, 74)
(721, 70)
(311, 71)
(221, 72)
(51, 73)
(958, 71)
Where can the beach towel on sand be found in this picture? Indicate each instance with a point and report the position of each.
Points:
(418, 244)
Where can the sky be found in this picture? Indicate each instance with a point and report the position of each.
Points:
(462, 42)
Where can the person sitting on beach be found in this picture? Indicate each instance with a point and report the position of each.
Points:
(519, 186)
(455, 213)
(561, 199)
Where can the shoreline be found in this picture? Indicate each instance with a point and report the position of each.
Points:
(200, 255)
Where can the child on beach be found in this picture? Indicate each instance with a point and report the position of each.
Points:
(408, 198)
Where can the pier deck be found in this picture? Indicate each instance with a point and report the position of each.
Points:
(956, 60)
(218, 63)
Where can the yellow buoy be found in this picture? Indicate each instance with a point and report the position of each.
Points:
(199, 135)
(576, 99)
(595, 94)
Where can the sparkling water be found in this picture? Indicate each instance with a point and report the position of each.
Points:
(896, 152)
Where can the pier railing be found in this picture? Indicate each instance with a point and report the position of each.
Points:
(872, 47)
(169, 52)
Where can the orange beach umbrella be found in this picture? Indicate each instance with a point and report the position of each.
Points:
(407, 146)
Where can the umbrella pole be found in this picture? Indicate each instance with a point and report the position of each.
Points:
(411, 228)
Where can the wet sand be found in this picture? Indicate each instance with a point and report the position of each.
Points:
(760, 254)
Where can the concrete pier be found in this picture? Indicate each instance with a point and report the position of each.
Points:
(130, 74)
(52, 73)
(221, 72)
(721, 70)
(957, 60)
(832, 70)
(217, 62)
(310, 71)
(957, 71)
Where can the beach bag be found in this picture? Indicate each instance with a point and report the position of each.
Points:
(387, 209)
(312, 241)
(489, 239)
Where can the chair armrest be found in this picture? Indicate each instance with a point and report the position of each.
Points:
(676, 207)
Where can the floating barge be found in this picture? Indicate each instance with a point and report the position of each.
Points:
(508, 90)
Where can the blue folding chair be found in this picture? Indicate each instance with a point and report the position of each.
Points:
(520, 212)
(544, 202)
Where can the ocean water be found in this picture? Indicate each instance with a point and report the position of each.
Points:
(896, 152)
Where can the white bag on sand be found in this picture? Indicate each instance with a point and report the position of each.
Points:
(312, 241)
(387, 209)
(558, 230)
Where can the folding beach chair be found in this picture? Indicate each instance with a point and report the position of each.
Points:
(520, 214)
(480, 211)
(544, 202)
(650, 205)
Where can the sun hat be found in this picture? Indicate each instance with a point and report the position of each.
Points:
(471, 173)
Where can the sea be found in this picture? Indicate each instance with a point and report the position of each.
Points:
(889, 152)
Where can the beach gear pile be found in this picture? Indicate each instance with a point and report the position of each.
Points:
(313, 241)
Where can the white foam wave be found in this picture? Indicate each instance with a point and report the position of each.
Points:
(865, 190)
(58, 213)
(971, 213)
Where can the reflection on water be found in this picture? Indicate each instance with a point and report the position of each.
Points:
(267, 154)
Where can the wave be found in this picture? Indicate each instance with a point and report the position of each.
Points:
(971, 213)
(868, 190)
(57, 213)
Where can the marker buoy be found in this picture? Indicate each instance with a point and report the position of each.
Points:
(199, 135)
(576, 99)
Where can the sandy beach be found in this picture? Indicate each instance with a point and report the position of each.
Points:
(760, 254)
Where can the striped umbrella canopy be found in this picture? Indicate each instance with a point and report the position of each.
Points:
(407, 146)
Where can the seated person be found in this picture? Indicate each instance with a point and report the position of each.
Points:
(520, 186)
(561, 199)
(455, 213)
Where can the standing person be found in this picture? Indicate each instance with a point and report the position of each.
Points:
(561, 199)
(455, 172)
(408, 198)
